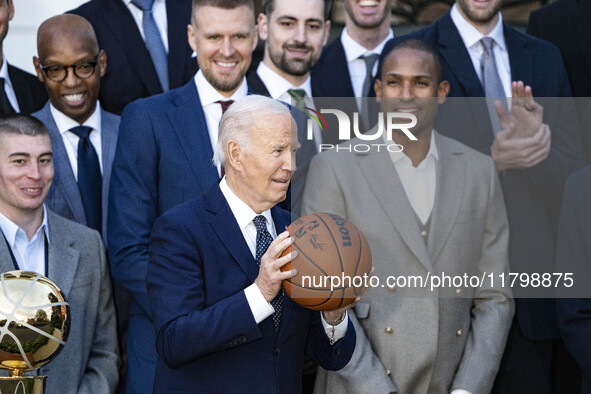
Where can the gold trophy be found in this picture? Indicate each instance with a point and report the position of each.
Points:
(34, 327)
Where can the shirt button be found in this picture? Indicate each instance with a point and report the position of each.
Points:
(459, 333)
(424, 233)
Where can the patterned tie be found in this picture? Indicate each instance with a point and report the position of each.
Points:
(154, 41)
(299, 95)
(5, 106)
(264, 239)
(493, 87)
(90, 180)
(370, 61)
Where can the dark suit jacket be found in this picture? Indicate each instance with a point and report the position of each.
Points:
(30, 92)
(64, 196)
(163, 158)
(573, 254)
(206, 336)
(565, 23)
(304, 155)
(331, 78)
(533, 196)
(130, 72)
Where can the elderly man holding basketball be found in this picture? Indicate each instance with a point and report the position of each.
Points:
(222, 321)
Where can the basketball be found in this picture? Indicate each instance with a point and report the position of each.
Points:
(333, 260)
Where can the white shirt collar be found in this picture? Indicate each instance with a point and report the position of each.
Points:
(208, 94)
(65, 123)
(242, 212)
(128, 2)
(353, 50)
(4, 70)
(471, 36)
(433, 152)
(10, 229)
(277, 85)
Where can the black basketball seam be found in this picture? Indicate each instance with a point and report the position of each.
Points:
(358, 258)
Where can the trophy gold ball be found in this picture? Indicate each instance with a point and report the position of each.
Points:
(34, 327)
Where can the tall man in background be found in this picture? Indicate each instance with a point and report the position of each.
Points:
(147, 47)
(164, 157)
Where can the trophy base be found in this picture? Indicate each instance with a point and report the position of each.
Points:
(22, 385)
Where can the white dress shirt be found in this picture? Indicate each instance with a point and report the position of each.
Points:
(64, 124)
(159, 14)
(419, 182)
(244, 215)
(278, 89)
(472, 37)
(8, 88)
(212, 110)
(357, 67)
(30, 255)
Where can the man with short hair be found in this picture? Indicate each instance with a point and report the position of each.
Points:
(222, 322)
(164, 157)
(19, 90)
(71, 255)
(343, 68)
(433, 209)
(483, 57)
(70, 64)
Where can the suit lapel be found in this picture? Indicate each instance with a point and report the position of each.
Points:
(123, 27)
(188, 120)
(256, 84)
(385, 183)
(21, 90)
(64, 177)
(452, 50)
(334, 70)
(5, 258)
(225, 226)
(282, 219)
(63, 259)
(521, 60)
(451, 178)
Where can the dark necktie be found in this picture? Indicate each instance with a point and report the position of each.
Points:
(491, 82)
(264, 239)
(90, 181)
(299, 95)
(153, 41)
(225, 105)
(5, 106)
(370, 61)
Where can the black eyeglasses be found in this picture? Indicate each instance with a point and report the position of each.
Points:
(58, 72)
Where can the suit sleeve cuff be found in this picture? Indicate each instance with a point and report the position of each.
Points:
(259, 306)
(460, 391)
(339, 330)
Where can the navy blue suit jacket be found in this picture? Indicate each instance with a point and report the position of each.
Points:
(206, 336)
(573, 254)
(130, 73)
(533, 196)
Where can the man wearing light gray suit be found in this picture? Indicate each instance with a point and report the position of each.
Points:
(433, 209)
(71, 255)
(70, 65)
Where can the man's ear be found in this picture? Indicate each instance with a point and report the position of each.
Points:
(37, 65)
(442, 91)
(234, 154)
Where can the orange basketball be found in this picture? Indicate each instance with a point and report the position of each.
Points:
(333, 262)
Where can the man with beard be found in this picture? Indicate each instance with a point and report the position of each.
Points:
(344, 68)
(481, 56)
(295, 33)
(164, 157)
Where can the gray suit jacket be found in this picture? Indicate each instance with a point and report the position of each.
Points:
(89, 361)
(414, 340)
(64, 196)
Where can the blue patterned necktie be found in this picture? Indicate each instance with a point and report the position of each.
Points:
(264, 239)
(154, 41)
(491, 82)
(90, 180)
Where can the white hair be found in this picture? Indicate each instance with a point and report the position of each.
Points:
(237, 122)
